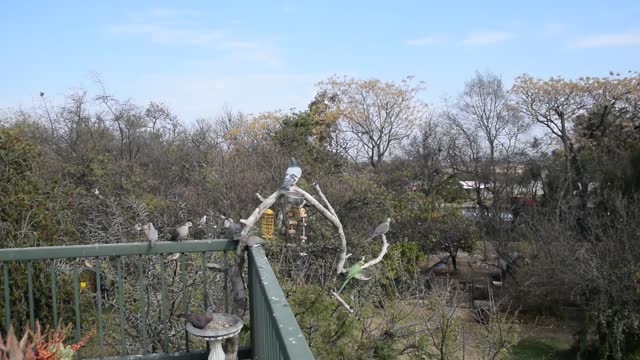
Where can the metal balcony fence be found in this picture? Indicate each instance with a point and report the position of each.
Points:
(131, 294)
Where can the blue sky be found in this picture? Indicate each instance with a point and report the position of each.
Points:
(259, 56)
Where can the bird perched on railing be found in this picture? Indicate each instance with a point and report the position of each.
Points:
(380, 230)
(181, 232)
(233, 229)
(292, 175)
(199, 320)
(152, 234)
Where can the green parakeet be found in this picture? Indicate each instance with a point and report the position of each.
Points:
(353, 271)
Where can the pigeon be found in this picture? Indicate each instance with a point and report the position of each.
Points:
(152, 234)
(292, 175)
(199, 320)
(181, 232)
(203, 220)
(381, 229)
(254, 241)
(173, 256)
(233, 229)
(137, 227)
(353, 271)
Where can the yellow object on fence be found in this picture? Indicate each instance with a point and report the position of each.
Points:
(266, 224)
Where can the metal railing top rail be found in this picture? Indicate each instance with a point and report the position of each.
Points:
(290, 337)
(120, 249)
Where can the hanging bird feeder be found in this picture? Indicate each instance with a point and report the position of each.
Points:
(294, 198)
(266, 224)
(303, 215)
(291, 231)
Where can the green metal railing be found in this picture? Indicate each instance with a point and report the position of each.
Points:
(131, 262)
(275, 333)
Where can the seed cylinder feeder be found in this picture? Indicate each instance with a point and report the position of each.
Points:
(267, 224)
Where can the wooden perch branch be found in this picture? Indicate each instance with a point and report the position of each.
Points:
(330, 214)
(235, 270)
(383, 251)
(344, 303)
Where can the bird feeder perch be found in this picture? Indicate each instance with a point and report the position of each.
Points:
(267, 224)
(303, 216)
(294, 198)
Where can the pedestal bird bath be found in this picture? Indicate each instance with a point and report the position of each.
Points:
(221, 327)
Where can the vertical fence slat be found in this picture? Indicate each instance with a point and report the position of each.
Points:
(54, 294)
(252, 305)
(76, 300)
(143, 312)
(185, 298)
(205, 288)
(7, 295)
(163, 286)
(99, 301)
(123, 349)
(226, 282)
(32, 323)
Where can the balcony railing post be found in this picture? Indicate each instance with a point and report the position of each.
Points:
(163, 310)
(7, 295)
(54, 293)
(123, 349)
(32, 323)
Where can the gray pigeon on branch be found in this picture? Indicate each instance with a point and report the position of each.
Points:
(181, 232)
(152, 234)
(233, 229)
(381, 229)
(292, 175)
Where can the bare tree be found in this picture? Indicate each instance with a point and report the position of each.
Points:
(377, 116)
(490, 128)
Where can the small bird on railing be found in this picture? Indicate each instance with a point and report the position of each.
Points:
(199, 320)
(152, 234)
(181, 232)
(381, 229)
(292, 175)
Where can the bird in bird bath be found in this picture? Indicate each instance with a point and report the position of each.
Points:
(219, 328)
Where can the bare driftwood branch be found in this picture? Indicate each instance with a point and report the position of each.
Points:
(331, 216)
(235, 270)
(344, 303)
(383, 251)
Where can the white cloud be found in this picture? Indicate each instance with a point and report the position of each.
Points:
(487, 37)
(160, 34)
(628, 38)
(429, 40)
(166, 26)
